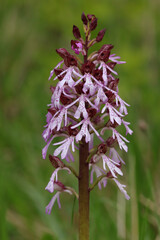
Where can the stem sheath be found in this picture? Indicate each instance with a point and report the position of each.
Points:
(83, 191)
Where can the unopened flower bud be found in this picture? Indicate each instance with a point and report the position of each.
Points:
(62, 52)
(56, 162)
(90, 16)
(76, 32)
(84, 19)
(100, 35)
(93, 24)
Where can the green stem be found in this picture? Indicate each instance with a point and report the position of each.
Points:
(72, 170)
(83, 191)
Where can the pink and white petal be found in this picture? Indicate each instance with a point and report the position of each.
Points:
(58, 150)
(93, 129)
(111, 70)
(50, 205)
(128, 130)
(44, 150)
(58, 201)
(121, 187)
(50, 187)
(73, 147)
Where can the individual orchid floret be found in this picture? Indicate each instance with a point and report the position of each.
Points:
(56, 121)
(123, 105)
(111, 165)
(77, 46)
(54, 178)
(101, 96)
(88, 85)
(84, 130)
(81, 108)
(63, 149)
(60, 188)
(113, 113)
(119, 138)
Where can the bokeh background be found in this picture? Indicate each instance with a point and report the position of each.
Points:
(30, 31)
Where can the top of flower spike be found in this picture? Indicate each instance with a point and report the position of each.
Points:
(90, 24)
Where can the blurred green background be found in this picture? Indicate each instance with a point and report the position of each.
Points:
(30, 31)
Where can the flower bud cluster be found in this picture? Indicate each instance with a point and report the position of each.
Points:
(84, 104)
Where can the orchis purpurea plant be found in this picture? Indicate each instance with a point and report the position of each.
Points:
(84, 105)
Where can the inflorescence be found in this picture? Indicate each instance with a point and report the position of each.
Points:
(84, 104)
